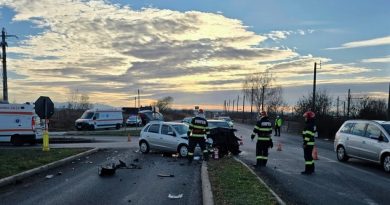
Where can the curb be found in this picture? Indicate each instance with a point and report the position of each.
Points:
(280, 201)
(25, 174)
(207, 194)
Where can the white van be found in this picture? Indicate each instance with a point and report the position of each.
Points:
(18, 123)
(100, 119)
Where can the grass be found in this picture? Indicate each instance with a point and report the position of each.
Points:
(107, 133)
(14, 161)
(232, 183)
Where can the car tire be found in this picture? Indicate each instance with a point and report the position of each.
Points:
(118, 126)
(386, 163)
(182, 150)
(91, 127)
(144, 147)
(16, 141)
(341, 154)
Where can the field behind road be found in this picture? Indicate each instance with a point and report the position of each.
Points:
(354, 182)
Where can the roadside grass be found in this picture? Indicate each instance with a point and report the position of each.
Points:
(132, 132)
(232, 183)
(14, 161)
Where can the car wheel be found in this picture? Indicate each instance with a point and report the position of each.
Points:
(118, 126)
(91, 127)
(386, 163)
(341, 154)
(183, 150)
(144, 147)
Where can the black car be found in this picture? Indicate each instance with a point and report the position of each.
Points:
(223, 137)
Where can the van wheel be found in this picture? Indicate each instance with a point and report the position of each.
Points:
(91, 127)
(15, 141)
(144, 147)
(118, 126)
(183, 150)
(386, 163)
(341, 154)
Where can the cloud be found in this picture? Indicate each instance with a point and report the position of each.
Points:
(385, 59)
(279, 35)
(366, 43)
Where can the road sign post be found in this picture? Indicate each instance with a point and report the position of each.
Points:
(44, 108)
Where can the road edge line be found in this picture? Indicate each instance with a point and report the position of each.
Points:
(280, 200)
(25, 174)
(207, 194)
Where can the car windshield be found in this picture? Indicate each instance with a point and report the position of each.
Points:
(386, 127)
(87, 115)
(132, 118)
(181, 129)
(218, 124)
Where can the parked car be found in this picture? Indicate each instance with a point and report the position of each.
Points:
(187, 120)
(134, 120)
(227, 119)
(164, 136)
(364, 139)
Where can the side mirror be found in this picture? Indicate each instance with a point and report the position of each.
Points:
(380, 138)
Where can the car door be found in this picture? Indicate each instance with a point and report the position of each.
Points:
(152, 136)
(355, 140)
(371, 145)
(169, 139)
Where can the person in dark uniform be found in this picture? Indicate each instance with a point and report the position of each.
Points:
(308, 142)
(263, 129)
(197, 134)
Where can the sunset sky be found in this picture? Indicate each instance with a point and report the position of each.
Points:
(197, 51)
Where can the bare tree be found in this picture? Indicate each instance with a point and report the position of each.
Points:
(78, 101)
(260, 88)
(164, 104)
(369, 108)
(322, 105)
(84, 102)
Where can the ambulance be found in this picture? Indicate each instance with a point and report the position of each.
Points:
(19, 124)
(100, 119)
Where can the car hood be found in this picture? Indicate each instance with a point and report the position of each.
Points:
(83, 120)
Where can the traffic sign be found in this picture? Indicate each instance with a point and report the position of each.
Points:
(44, 107)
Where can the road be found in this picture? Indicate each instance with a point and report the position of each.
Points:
(79, 182)
(354, 182)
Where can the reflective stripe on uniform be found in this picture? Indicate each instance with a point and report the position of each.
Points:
(309, 162)
(198, 135)
(308, 132)
(205, 151)
(307, 139)
(190, 153)
(261, 157)
(198, 127)
(263, 129)
(263, 138)
(310, 143)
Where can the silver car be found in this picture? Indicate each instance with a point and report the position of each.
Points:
(364, 139)
(164, 136)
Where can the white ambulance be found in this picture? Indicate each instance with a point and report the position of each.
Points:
(100, 119)
(19, 124)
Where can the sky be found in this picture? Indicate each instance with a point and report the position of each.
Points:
(197, 51)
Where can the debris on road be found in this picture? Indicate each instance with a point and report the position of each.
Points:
(175, 196)
(49, 176)
(166, 175)
(107, 170)
(136, 160)
(59, 173)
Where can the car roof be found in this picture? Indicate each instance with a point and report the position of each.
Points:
(166, 123)
(363, 120)
(216, 121)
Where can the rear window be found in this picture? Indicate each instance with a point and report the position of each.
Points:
(359, 129)
(347, 128)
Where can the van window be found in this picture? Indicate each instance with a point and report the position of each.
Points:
(87, 115)
(97, 116)
(347, 128)
(373, 131)
(155, 128)
(359, 129)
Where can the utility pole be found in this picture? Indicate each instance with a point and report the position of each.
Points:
(337, 112)
(139, 100)
(233, 106)
(262, 98)
(314, 88)
(3, 45)
(135, 101)
(251, 103)
(349, 102)
(238, 99)
(344, 110)
(243, 109)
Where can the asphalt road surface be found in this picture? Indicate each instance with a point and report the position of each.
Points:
(79, 182)
(334, 182)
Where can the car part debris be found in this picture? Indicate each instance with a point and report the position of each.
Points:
(107, 170)
(171, 196)
(196, 158)
(59, 173)
(121, 164)
(166, 175)
(136, 160)
(49, 176)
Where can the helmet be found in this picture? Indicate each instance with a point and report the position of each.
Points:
(200, 111)
(309, 115)
(263, 113)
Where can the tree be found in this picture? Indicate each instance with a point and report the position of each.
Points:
(78, 101)
(322, 105)
(372, 109)
(260, 88)
(164, 104)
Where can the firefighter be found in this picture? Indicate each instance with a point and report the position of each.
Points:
(278, 124)
(263, 129)
(197, 134)
(308, 142)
